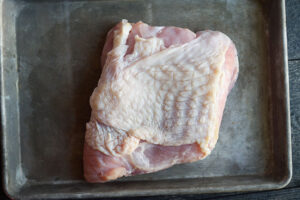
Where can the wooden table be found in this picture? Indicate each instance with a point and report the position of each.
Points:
(292, 191)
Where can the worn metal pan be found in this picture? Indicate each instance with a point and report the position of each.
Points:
(50, 63)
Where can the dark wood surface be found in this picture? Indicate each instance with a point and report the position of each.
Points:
(292, 191)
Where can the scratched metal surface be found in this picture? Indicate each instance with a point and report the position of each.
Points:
(51, 64)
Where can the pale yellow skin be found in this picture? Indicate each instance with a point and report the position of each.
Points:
(165, 96)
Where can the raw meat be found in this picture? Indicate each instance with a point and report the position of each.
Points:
(159, 100)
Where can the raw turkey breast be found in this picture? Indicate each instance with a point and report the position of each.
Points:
(159, 100)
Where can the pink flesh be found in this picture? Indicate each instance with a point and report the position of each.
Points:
(170, 36)
(98, 166)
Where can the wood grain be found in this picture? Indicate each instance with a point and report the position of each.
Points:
(294, 72)
(285, 194)
(293, 28)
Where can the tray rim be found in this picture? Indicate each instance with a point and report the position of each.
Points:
(16, 193)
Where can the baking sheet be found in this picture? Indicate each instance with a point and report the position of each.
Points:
(50, 55)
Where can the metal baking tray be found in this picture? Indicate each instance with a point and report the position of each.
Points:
(50, 63)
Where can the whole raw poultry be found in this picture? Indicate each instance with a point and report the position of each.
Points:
(159, 100)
